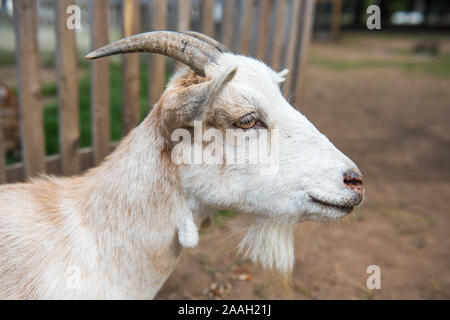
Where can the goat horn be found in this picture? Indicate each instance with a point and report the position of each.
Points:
(189, 50)
(216, 44)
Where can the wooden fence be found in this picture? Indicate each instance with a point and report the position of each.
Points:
(275, 31)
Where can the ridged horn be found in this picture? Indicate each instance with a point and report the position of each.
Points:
(216, 44)
(189, 50)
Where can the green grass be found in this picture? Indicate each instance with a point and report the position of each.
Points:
(7, 57)
(220, 217)
(436, 66)
(49, 90)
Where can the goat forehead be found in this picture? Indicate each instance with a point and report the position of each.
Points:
(254, 85)
(250, 71)
(257, 85)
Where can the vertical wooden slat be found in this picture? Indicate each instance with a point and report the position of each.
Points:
(264, 25)
(100, 104)
(308, 20)
(292, 44)
(158, 65)
(2, 155)
(130, 76)
(208, 17)
(30, 108)
(279, 32)
(66, 57)
(184, 15)
(183, 19)
(227, 23)
(247, 15)
(336, 19)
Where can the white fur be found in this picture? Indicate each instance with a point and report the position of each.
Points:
(270, 243)
(188, 231)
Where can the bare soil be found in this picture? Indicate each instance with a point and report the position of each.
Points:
(394, 124)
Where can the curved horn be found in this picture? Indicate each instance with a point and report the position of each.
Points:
(216, 44)
(191, 51)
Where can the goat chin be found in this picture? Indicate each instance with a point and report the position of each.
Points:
(270, 243)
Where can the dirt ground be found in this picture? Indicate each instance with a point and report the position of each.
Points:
(394, 124)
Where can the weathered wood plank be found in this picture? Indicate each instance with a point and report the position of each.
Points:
(208, 17)
(158, 64)
(66, 57)
(306, 32)
(130, 63)
(246, 29)
(184, 15)
(30, 108)
(336, 19)
(227, 24)
(279, 33)
(264, 24)
(292, 44)
(183, 19)
(100, 103)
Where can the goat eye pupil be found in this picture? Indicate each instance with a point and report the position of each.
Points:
(246, 123)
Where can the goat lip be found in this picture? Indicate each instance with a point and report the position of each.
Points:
(342, 207)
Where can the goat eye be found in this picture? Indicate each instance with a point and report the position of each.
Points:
(246, 122)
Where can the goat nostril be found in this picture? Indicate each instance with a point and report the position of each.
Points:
(354, 181)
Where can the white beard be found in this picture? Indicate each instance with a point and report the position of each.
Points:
(270, 243)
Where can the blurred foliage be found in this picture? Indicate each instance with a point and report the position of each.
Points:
(7, 57)
(220, 217)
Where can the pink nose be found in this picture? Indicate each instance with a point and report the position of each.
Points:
(354, 181)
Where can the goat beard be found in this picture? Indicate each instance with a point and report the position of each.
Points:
(270, 243)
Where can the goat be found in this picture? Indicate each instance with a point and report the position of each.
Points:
(118, 230)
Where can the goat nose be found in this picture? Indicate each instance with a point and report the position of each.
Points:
(354, 181)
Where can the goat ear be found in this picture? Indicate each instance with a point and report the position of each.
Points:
(283, 73)
(216, 86)
(183, 107)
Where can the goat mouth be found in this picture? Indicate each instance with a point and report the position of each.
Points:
(329, 205)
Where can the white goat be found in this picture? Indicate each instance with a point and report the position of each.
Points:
(118, 230)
